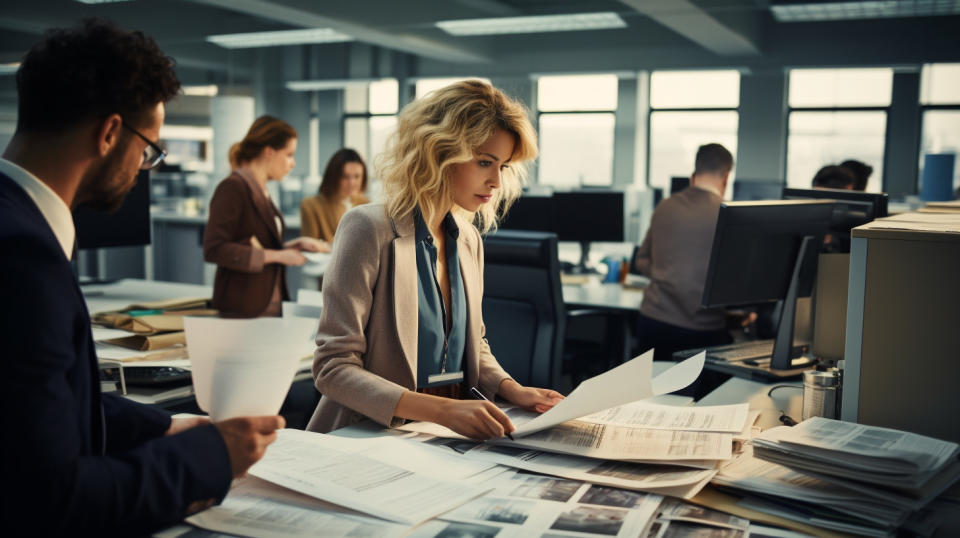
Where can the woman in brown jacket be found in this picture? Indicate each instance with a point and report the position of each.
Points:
(343, 186)
(244, 234)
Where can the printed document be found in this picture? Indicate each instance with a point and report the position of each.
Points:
(259, 509)
(244, 367)
(629, 382)
(325, 467)
(666, 480)
(717, 418)
(623, 443)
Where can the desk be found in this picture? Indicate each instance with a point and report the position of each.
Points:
(299, 404)
(598, 295)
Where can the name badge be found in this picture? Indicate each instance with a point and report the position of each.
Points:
(449, 377)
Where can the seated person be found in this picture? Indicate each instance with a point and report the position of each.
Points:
(675, 254)
(834, 177)
(861, 171)
(343, 186)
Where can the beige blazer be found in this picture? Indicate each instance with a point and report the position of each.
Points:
(366, 355)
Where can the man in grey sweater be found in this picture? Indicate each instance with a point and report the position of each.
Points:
(675, 254)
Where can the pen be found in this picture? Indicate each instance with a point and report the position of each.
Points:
(479, 395)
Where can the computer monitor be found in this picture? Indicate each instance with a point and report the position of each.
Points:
(530, 213)
(745, 190)
(852, 209)
(767, 251)
(678, 183)
(128, 226)
(582, 216)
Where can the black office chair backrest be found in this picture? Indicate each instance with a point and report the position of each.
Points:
(523, 305)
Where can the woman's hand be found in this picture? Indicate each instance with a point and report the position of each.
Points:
(308, 244)
(476, 419)
(287, 256)
(530, 398)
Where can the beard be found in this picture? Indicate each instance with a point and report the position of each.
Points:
(106, 184)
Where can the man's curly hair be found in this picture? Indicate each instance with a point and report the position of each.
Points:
(89, 72)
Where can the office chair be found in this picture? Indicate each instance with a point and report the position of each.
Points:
(526, 319)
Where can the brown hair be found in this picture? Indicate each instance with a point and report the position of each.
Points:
(713, 159)
(334, 171)
(265, 131)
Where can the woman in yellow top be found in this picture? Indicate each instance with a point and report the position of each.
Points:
(343, 186)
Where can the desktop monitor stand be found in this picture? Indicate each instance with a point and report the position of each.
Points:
(582, 268)
(783, 345)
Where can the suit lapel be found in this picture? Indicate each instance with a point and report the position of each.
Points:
(265, 208)
(474, 297)
(405, 290)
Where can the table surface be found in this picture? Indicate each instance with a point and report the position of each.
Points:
(595, 294)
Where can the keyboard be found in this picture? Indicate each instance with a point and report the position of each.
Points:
(753, 352)
(147, 376)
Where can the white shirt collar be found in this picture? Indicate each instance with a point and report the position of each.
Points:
(51, 206)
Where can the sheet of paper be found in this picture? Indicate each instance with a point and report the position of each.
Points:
(234, 360)
(317, 262)
(313, 464)
(257, 508)
(112, 352)
(529, 505)
(717, 418)
(661, 479)
(106, 333)
(629, 382)
(624, 443)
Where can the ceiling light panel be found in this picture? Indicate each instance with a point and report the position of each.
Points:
(533, 24)
(278, 38)
(867, 9)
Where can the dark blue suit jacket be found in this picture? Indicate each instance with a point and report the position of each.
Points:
(74, 460)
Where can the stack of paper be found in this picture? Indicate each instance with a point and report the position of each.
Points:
(637, 445)
(388, 478)
(888, 465)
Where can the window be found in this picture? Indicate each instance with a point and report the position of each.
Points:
(424, 86)
(689, 109)
(370, 117)
(940, 96)
(836, 115)
(576, 124)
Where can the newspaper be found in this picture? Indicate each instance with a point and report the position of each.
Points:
(623, 443)
(863, 448)
(661, 479)
(751, 474)
(717, 418)
(629, 382)
(530, 505)
(259, 509)
(333, 470)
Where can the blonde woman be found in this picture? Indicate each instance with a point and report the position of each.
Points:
(401, 335)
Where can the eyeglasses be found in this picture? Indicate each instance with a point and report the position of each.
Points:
(152, 154)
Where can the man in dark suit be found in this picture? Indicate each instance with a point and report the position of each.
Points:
(91, 103)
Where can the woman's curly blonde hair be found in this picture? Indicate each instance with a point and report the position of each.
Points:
(442, 129)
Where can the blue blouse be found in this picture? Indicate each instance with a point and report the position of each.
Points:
(439, 348)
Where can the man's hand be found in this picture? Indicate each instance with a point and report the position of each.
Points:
(178, 425)
(247, 439)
